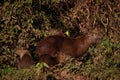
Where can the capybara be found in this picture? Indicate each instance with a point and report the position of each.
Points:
(75, 47)
(25, 58)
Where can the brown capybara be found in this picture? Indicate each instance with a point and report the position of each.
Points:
(75, 47)
(25, 58)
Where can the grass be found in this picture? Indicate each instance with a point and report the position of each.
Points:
(24, 23)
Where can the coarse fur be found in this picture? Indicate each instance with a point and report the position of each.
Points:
(75, 47)
(54, 31)
(25, 58)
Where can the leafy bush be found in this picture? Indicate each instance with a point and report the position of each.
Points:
(25, 22)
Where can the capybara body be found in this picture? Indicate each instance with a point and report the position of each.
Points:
(75, 47)
(48, 59)
(25, 58)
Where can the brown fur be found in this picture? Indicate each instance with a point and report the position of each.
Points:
(53, 32)
(25, 58)
(75, 47)
(48, 59)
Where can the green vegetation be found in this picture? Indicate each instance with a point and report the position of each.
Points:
(25, 22)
